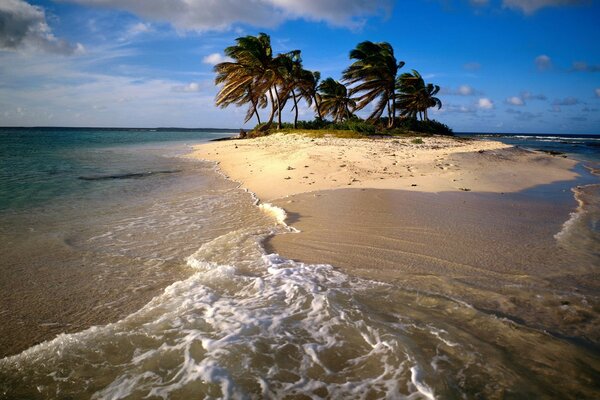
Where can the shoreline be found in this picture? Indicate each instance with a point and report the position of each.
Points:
(493, 248)
(281, 165)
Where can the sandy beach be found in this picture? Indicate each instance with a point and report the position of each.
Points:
(447, 216)
(281, 165)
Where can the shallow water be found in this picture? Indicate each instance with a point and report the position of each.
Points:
(234, 321)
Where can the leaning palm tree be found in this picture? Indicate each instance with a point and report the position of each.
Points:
(252, 71)
(416, 96)
(309, 89)
(289, 67)
(374, 75)
(239, 91)
(335, 100)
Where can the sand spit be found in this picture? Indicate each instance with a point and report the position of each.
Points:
(280, 165)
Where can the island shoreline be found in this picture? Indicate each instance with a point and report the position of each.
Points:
(501, 242)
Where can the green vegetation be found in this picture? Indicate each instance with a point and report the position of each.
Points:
(257, 79)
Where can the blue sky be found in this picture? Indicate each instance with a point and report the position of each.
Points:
(503, 65)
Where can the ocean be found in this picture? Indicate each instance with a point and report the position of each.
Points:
(130, 271)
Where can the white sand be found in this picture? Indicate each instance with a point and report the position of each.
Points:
(280, 165)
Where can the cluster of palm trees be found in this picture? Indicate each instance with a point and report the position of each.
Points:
(255, 78)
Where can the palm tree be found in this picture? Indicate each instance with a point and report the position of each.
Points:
(252, 71)
(289, 67)
(309, 89)
(238, 91)
(416, 96)
(374, 75)
(335, 100)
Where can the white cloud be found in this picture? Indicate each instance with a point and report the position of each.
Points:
(465, 90)
(485, 103)
(140, 28)
(41, 89)
(515, 101)
(462, 90)
(479, 2)
(24, 27)
(597, 92)
(543, 62)
(215, 58)
(531, 6)
(189, 88)
(203, 15)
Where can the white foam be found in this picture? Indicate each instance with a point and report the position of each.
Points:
(276, 212)
(573, 220)
(423, 389)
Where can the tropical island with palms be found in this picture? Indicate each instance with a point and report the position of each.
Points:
(397, 145)
(257, 79)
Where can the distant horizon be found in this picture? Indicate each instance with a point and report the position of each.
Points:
(233, 130)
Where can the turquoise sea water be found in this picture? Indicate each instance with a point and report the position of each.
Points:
(128, 271)
(40, 165)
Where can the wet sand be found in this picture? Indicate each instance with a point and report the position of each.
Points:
(471, 220)
(496, 252)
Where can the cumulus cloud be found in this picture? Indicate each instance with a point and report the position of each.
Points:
(23, 26)
(531, 6)
(485, 103)
(597, 91)
(215, 58)
(203, 15)
(543, 62)
(515, 101)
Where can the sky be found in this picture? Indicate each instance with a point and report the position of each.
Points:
(529, 66)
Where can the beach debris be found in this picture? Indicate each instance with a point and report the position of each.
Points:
(288, 177)
(481, 151)
(414, 184)
(342, 166)
(465, 189)
(306, 166)
(290, 168)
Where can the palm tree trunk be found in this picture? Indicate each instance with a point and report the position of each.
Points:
(270, 122)
(255, 110)
(278, 108)
(425, 115)
(393, 109)
(295, 109)
(389, 110)
(317, 106)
